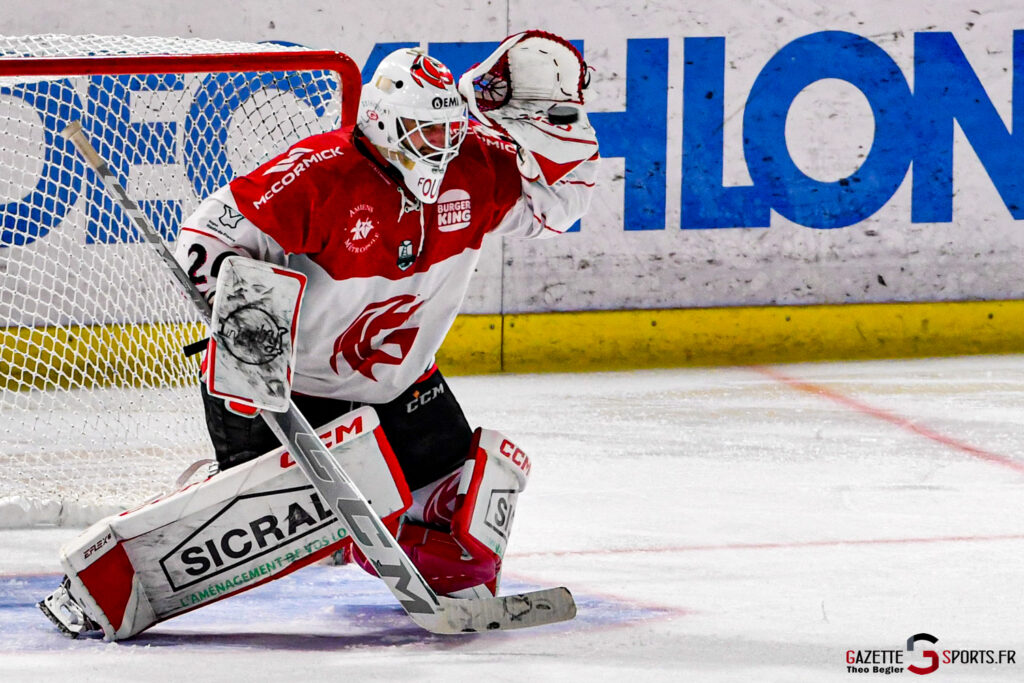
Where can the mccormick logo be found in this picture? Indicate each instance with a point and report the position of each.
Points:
(453, 211)
(285, 164)
(493, 140)
(292, 166)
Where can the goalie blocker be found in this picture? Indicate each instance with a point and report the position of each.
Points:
(263, 520)
(252, 328)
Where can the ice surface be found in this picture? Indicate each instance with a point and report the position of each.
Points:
(736, 524)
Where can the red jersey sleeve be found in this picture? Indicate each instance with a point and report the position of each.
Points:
(495, 170)
(520, 206)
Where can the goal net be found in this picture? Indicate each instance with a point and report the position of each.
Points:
(99, 407)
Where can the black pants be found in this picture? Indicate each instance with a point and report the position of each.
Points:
(425, 426)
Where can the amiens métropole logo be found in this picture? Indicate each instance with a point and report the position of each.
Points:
(921, 657)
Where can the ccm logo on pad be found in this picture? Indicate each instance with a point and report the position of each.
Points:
(331, 439)
(516, 455)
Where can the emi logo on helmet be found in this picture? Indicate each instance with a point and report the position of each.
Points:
(445, 102)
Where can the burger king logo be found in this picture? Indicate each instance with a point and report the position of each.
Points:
(453, 211)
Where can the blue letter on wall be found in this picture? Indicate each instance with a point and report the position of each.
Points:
(639, 133)
(30, 217)
(778, 183)
(946, 88)
(706, 203)
(798, 197)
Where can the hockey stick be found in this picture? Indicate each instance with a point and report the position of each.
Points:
(435, 613)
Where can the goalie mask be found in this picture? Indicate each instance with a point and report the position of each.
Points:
(413, 114)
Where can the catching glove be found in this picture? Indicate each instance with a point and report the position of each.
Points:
(531, 90)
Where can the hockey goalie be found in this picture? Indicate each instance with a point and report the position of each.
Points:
(373, 232)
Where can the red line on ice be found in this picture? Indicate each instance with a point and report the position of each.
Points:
(775, 546)
(893, 419)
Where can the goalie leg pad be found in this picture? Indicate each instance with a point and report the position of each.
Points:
(492, 478)
(465, 559)
(254, 523)
(446, 566)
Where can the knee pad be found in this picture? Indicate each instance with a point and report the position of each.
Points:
(443, 562)
(461, 555)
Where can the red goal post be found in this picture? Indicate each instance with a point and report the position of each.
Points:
(339, 62)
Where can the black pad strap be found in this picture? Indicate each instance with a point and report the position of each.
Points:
(196, 347)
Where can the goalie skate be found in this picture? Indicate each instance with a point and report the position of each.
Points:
(63, 610)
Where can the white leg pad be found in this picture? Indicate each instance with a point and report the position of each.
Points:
(240, 528)
(496, 471)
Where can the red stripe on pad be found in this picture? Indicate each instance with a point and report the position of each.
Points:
(109, 582)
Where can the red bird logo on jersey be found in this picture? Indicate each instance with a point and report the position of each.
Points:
(382, 319)
(432, 71)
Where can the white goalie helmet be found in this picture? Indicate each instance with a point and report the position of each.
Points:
(413, 114)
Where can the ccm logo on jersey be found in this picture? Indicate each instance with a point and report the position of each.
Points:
(330, 439)
(292, 166)
(249, 526)
(453, 211)
(426, 397)
(516, 455)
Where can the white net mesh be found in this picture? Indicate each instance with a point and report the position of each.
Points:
(98, 405)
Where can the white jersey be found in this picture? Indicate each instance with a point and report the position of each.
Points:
(386, 279)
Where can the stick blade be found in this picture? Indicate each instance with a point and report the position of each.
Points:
(522, 610)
